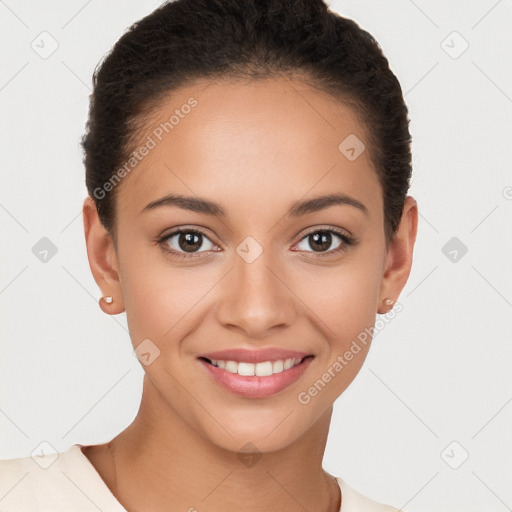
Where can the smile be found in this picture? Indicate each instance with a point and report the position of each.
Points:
(255, 380)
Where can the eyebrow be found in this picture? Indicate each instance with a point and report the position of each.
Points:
(297, 209)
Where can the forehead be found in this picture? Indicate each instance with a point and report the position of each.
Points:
(260, 142)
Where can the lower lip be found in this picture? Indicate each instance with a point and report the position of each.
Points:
(254, 386)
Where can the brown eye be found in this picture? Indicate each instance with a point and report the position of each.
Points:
(186, 241)
(325, 241)
(190, 242)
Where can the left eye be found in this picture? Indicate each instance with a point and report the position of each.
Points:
(322, 240)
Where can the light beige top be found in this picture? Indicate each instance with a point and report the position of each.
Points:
(67, 481)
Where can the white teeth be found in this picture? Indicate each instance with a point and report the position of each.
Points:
(288, 364)
(263, 369)
(277, 366)
(246, 369)
(231, 367)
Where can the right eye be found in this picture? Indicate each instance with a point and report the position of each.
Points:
(184, 243)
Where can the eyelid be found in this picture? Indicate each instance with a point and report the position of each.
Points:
(326, 227)
(186, 228)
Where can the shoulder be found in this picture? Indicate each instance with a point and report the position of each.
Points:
(58, 481)
(16, 485)
(354, 501)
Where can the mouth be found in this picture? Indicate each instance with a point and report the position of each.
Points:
(261, 369)
(259, 379)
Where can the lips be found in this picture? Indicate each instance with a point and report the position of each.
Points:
(255, 374)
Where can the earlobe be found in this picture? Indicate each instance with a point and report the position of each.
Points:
(102, 257)
(400, 254)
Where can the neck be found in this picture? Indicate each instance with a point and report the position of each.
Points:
(160, 460)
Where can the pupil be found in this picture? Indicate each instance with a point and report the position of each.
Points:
(192, 241)
(323, 239)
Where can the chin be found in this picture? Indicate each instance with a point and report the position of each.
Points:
(262, 430)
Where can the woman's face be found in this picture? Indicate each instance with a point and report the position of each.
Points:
(264, 273)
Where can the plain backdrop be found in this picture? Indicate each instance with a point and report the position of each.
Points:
(426, 424)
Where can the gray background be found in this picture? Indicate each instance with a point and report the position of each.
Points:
(436, 387)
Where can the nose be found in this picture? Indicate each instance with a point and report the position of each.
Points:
(257, 297)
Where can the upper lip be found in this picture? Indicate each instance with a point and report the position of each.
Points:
(254, 356)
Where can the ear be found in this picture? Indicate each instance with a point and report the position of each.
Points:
(399, 257)
(102, 258)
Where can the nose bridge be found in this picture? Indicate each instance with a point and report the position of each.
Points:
(257, 299)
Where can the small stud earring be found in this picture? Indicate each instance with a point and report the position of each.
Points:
(388, 302)
(108, 299)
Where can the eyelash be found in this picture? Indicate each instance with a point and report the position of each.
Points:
(347, 242)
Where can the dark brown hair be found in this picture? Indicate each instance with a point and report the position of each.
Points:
(186, 40)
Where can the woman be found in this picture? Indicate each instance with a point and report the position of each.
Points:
(247, 165)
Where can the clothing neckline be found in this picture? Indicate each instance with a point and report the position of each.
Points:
(116, 505)
(95, 477)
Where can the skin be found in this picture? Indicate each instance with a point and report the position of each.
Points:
(254, 148)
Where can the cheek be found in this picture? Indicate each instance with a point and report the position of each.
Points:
(157, 294)
(342, 303)
(342, 299)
